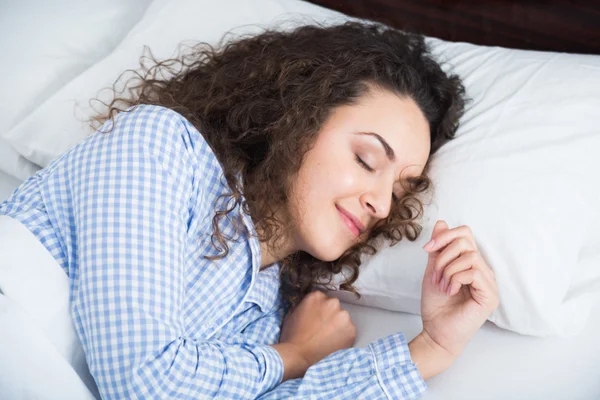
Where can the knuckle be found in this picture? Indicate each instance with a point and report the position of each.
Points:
(467, 229)
(447, 275)
(352, 333)
(315, 298)
(344, 320)
(317, 294)
(345, 316)
(353, 326)
(333, 302)
(451, 282)
(473, 256)
(309, 298)
(464, 243)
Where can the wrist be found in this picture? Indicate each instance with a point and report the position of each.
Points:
(294, 363)
(429, 357)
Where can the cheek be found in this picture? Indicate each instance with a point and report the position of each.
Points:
(319, 228)
(323, 182)
(324, 188)
(330, 172)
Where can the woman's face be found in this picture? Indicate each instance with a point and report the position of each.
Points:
(348, 178)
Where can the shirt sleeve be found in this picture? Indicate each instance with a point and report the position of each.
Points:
(382, 370)
(132, 191)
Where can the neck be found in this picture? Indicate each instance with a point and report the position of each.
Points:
(279, 247)
(271, 255)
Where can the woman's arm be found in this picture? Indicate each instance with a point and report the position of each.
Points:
(131, 191)
(429, 358)
(382, 370)
(318, 363)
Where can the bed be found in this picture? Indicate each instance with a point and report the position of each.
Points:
(8, 183)
(498, 364)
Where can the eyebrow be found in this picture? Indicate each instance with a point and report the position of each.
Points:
(389, 152)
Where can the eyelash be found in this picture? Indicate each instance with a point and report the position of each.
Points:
(365, 166)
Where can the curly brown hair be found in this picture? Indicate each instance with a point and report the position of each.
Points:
(260, 101)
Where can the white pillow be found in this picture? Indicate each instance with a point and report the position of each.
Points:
(15, 164)
(60, 122)
(45, 44)
(522, 155)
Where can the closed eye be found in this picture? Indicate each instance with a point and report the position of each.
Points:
(368, 168)
(363, 164)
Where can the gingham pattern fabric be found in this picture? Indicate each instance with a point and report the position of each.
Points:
(128, 216)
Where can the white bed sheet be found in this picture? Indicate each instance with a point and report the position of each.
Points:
(501, 365)
(496, 365)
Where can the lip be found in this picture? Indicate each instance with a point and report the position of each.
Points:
(352, 222)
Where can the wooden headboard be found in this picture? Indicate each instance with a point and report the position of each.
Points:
(554, 25)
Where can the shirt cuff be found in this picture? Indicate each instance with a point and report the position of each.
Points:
(273, 367)
(397, 374)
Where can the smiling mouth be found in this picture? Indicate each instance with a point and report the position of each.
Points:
(349, 223)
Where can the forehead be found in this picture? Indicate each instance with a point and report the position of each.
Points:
(398, 120)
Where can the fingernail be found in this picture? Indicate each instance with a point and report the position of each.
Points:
(442, 286)
(429, 245)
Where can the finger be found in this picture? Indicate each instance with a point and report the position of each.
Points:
(482, 291)
(439, 227)
(459, 280)
(442, 239)
(466, 261)
(449, 253)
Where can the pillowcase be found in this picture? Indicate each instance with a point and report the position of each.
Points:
(61, 122)
(520, 172)
(50, 43)
(15, 164)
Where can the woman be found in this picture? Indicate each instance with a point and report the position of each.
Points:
(209, 204)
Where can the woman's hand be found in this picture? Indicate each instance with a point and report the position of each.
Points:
(459, 290)
(316, 328)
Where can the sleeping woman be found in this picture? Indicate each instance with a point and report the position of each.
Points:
(196, 222)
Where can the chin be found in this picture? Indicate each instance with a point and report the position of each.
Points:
(325, 240)
(330, 257)
(326, 257)
(325, 250)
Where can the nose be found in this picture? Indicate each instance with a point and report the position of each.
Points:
(377, 202)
